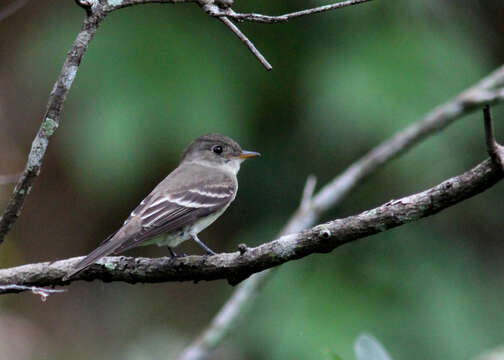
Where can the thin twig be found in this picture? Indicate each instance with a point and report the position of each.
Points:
(495, 150)
(12, 8)
(491, 143)
(213, 9)
(308, 190)
(50, 122)
(268, 19)
(42, 292)
(246, 41)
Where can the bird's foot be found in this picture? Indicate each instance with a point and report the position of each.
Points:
(173, 254)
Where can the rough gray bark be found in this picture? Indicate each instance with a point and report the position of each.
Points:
(237, 266)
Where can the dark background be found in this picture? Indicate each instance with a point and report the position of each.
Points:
(157, 76)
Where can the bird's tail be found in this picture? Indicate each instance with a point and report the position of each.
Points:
(107, 248)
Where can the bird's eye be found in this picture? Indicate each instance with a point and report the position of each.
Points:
(217, 149)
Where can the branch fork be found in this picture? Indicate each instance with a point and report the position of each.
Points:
(494, 149)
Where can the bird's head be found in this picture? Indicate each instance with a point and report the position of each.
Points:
(217, 150)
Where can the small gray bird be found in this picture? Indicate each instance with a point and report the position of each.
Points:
(188, 200)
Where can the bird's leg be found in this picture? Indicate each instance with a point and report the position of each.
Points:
(200, 243)
(172, 253)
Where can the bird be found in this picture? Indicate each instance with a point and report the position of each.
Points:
(186, 202)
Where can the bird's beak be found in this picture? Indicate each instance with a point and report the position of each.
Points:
(248, 154)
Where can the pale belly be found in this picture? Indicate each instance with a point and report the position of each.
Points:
(175, 238)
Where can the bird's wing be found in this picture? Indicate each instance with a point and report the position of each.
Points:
(167, 211)
(174, 211)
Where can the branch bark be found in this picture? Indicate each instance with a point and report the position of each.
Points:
(237, 266)
(268, 19)
(495, 150)
(240, 35)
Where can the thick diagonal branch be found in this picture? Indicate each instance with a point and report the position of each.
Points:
(237, 266)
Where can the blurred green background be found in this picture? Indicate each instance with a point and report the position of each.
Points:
(157, 76)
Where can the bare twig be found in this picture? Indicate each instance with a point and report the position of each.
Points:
(223, 14)
(246, 41)
(12, 8)
(487, 89)
(308, 190)
(491, 143)
(495, 150)
(42, 292)
(267, 19)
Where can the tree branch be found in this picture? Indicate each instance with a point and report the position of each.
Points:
(495, 150)
(268, 19)
(246, 41)
(237, 266)
(50, 122)
(42, 292)
(223, 11)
